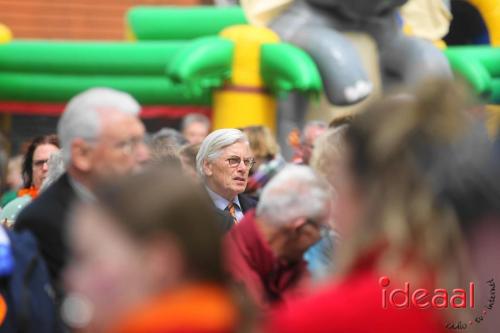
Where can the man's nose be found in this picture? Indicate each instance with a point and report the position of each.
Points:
(242, 167)
(45, 166)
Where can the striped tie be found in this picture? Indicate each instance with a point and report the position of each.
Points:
(232, 211)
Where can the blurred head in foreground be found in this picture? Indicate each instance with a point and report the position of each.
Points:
(102, 136)
(390, 203)
(397, 224)
(156, 255)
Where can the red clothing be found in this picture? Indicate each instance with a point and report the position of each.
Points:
(250, 261)
(195, 309)
(354, 305)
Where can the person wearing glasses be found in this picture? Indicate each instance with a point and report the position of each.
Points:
(223, 163)
(101, 137)
(34, 167)
(265, 251)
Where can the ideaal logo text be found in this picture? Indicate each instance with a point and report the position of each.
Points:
(421, 298)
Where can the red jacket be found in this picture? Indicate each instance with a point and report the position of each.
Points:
(354, 305)
(250, 261)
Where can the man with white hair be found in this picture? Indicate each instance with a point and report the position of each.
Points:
(265, 251)
(101, 137)
(224, 162)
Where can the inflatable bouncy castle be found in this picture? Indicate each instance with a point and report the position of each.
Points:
(212, 61)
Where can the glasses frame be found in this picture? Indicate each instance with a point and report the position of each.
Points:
(40, 163)
(249, 163)
(324, 229)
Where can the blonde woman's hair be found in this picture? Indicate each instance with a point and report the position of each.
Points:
(399, 152)
(329, 149)
(262, 142)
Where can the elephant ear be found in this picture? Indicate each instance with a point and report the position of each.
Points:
(203, 64)
(286, 68)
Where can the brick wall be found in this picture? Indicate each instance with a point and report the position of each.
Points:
(73, 19)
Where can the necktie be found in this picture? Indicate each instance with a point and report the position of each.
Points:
(232, 211)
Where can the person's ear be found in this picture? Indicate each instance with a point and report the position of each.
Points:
(298, 223)
(207, 168)
(81, 155)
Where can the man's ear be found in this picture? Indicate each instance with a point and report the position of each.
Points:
(298, 223)
(207, 168)
(81, 155)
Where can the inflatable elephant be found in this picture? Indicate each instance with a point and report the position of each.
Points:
(317, 26)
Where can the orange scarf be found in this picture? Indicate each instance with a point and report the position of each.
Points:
(32, 191)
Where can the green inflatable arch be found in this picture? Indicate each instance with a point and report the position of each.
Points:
(178, 61)
(480, 66)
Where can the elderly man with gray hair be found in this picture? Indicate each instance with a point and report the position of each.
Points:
(101, 137)
(265, 251)
(223, 163)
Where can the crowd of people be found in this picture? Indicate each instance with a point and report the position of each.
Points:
(125, 231)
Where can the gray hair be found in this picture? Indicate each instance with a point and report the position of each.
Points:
(214, 143)
(194, 118)
(166, 143)
(81, 118)
(55, 166)
(295, 192)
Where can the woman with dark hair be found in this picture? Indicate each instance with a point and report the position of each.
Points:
(147, 258)
(34, 169)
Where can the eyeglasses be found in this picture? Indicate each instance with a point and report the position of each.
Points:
(128, 146)
(39, 163)
(324, 229)
(235, 161)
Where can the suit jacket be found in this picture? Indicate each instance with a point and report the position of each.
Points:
(247, 202)
(46, 218)
(225, 220)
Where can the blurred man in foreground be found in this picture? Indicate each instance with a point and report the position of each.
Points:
(101, 137)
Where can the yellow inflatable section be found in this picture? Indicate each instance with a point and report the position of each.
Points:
(5, 34)
(490, 11)
(244, 100)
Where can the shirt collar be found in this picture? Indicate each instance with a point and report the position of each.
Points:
(81, 191)
(221, 202)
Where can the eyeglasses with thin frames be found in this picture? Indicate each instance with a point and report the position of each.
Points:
(235, 161)
(39, 163)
